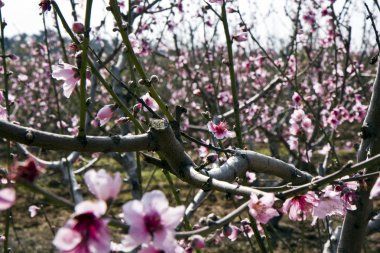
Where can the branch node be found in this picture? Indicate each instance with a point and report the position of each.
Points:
(116, 139)
(29, 136)
(366, 131)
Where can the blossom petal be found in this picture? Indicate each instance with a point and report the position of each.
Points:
(134, 213)
(67, 239)
(155, 200)
(172, 217)
(7, 198)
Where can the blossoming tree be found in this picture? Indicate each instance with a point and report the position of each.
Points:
(190, 89)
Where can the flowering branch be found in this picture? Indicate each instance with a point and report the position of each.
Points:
(253, 99)
(356, 221)
(218, 224)
(133, 58)
(234, 88)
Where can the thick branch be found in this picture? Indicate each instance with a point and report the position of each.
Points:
(51, 141)
(174, 154)
(256, 162)
(355, 222)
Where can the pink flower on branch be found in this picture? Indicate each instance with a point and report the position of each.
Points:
(152, 220)
(261, 209)
(136, 45)
(330, 204)
(102, 184)
(86, 231)
(69, 74)
(231, 232)
(105, 114)
(296, 99)
(300, 206)
(348, 194)
(28, 171)
(149, 101)
(240, 37)
(7, 198)
(219, 131)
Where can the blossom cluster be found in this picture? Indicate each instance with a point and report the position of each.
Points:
(151, 221)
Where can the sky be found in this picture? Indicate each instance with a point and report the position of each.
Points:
(23, 16)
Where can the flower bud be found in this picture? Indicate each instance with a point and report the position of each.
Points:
(78, 28)
(197, 242)
(45, 5)
(154, 79)
(137, 108)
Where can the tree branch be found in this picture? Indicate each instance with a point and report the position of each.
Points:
(51, 141)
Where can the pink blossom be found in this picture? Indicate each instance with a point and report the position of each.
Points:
(105, 114)
(232, 232)
(296, 99)
(2, 98)
(33, 210)
(28, 170)
(149, 101)
(307, 125)
(3, 113)
(102, 185)
(7, 198)
(325, 12)
(219, 131)
(330, 203)
(348, 194)
(261, 209)
(293, 143)
(246, 228)
(231, 9)
(297, 116)
(240, 37)
(292, 63)
(294, 129)
(202, 151)
(197, 242)
(86, 231)
(224, 97)
(375, 192)
(326, 148)
(136, 46)
(152, 220)
(251, 176)
(300, 206)
(318, 88)
(69, 74)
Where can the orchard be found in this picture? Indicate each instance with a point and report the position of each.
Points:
(185, 126)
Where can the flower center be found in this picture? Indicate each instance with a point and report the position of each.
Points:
(153, 222)
(219, 129)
